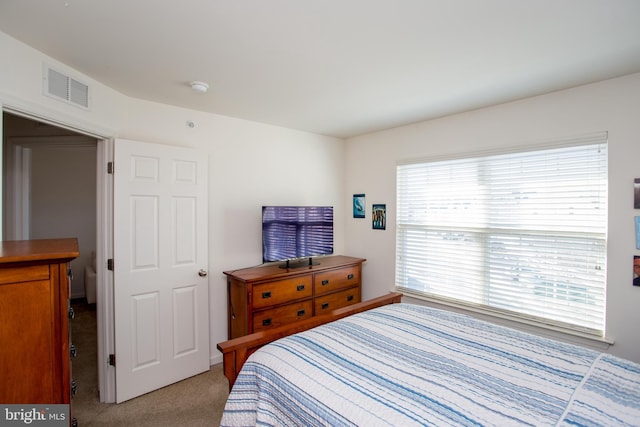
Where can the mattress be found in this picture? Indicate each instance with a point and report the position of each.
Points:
(405, 365)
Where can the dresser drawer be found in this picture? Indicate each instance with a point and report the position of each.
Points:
(281, 291)
(24, 274)
(336, 279)
(282, 315)
(326, 303)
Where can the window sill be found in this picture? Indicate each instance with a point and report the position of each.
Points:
(600, 343)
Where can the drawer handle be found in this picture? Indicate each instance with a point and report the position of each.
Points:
(350, 298)
(266, 322)
(325, 305)
(350, 276)
(74, 387)
(301, 312)
(300, 287)
(266, 295)
(72, 351)
(325, 282)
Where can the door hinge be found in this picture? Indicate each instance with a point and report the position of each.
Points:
(110, 167)
(112, 360)
(110, 264)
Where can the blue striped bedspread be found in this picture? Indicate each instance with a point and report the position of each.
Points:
(409, 365)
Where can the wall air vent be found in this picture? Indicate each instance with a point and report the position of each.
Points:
(65, 88)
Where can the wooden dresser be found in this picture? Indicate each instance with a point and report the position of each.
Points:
(34, 321)
(267, 296)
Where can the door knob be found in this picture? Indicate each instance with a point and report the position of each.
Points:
(202, 273)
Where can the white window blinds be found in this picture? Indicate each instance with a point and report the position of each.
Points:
(523, 232)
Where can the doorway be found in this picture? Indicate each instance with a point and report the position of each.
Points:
(187, 169)
(50, 190)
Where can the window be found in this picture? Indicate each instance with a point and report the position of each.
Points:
(519, 233)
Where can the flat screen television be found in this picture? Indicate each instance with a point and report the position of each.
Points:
(296, 233)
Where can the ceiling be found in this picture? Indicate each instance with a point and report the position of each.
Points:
(334, 67)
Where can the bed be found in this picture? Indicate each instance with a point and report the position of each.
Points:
(403, 364)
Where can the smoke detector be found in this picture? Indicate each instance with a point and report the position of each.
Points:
(199, 87)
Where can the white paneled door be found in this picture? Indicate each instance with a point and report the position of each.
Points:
(160, 266)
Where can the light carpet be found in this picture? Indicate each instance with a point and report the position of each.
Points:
(196, 401)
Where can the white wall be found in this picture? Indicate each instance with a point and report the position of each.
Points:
(250, 164)
(611, 105)
(63, 202)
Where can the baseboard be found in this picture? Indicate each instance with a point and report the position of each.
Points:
(215, 360)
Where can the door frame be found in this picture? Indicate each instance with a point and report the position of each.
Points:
(104, 243)
(105, 315)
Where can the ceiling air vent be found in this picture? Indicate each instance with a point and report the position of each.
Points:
(65, 88)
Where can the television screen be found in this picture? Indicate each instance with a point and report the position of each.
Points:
(290, 232)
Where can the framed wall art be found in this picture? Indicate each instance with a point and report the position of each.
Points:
(379, 217)
(358, 206)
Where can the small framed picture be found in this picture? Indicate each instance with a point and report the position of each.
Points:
(358, 205)
(379, 217)
(636, 193)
